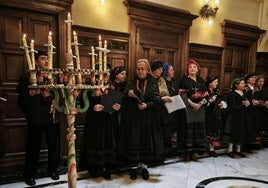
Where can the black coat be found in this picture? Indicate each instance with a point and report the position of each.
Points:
(36, 108)
(140, 135)
(238, 125)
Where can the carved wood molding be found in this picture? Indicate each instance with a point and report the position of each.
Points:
(205, 52)
(239, 33)
(53, 6)
(169, 16)
(89, 37)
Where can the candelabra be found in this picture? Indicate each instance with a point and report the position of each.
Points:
(70, 87)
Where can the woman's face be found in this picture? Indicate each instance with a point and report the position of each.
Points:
(142, 70)
(214, 84)
(192, 69)
(157, 72)
(170, 72)
(121, 77)
(241, 85)
(251, 80)
(260, 83)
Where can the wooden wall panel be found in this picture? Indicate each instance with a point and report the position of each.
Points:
(209, 58)
(158, 32)
(262, 63)
(240, 48)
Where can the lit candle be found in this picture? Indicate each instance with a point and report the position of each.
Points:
(32, 54)
(100, 56)
(28, 59)
(100, 61)
(76, 51)
(105, 56)
(77, 57)
(50, 50)
(69, 32)
(206, 2)
(93, 58)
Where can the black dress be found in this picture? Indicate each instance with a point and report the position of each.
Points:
(99, 141)
(237, 129)
(254, 112)
(178, 117)
(140, 135)
(213, 118)
(195, 136)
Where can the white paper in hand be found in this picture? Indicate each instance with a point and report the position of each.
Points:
(176, 104)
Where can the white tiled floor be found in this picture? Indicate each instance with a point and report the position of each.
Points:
(183, 175)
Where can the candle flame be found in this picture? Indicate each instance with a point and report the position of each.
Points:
(32, 41)
(24, 36)
(50, 33)
(99, 37)
(74, 33)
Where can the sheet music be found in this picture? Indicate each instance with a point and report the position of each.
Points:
(176, 104)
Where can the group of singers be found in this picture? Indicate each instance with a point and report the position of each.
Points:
(128, 123)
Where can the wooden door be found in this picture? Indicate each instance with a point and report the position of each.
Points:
(14, 23)
(158, 32)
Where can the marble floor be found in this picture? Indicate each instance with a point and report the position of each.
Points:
(208, 172)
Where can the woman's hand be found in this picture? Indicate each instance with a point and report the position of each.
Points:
(166, 99)
(246, 103)
(195, 106)
(98, 108)
(142, 106)
(116, 106)
(131, 93)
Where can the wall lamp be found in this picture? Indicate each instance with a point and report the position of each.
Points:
(102, 1)
(208, 12)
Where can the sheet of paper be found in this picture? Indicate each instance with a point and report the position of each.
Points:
(176, 104)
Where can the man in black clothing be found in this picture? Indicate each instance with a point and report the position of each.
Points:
(37, 106)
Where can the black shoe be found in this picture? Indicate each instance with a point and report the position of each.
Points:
(212, 154)
(30, 181)
(93, 173)
(194, 157)
(248, 150)
(54, 176)
(133, 174)
(106, 175)
(240, 154)
(186, 157)
(230, 154)
(145, 174)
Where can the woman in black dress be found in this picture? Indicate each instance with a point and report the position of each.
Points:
(178, 117)
(141, 136)
(213, 114)
(237, 129)
(194, 92)
(99, 142)
(156, 72)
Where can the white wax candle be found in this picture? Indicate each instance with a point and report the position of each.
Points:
(28, 59)
(105, 56)
(32, 54)
(50, 50)
(93, 58)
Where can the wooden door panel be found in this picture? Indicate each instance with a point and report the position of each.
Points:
(39, 27)
(12, 64)
(11, 145)
(12, 28)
